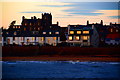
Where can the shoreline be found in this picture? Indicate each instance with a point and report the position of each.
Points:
(64, 58)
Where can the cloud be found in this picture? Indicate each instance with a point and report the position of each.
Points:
(114, 17)
(32, 12)
(86, 8)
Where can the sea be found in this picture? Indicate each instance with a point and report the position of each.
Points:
(60, 70)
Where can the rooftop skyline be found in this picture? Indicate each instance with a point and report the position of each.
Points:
(64, 12)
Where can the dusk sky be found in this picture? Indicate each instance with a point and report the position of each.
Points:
(65, 12)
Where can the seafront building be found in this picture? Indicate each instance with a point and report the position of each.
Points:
(42, 32)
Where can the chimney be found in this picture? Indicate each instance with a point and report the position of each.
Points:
(101, 22)
(23, 17)
(87, 22)
(57, 23)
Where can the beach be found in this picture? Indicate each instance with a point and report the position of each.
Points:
(63, 58)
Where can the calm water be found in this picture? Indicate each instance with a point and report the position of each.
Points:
(60, 69)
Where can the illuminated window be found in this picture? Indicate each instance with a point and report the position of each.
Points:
(42, 39)
(44, 32)
(7, 33)
(33, 38)
(25, 24)
(86, 37)
(77, 37)
(116, 30)
(13, 26)
(78, 32)
(38, 28)
(70, 37)
(71, 32)
(85, 32)
(56, 32)
(50, 32)
(15, 33)
(54, 38)
(111, 30)
(30, 23)
(21, 38)
(24, 29)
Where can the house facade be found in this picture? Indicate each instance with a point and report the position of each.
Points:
(32, 32)
(80, 35)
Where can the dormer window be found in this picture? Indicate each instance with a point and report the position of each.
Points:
(56, 32)
(44, 32)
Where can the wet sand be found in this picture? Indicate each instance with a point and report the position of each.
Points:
(63, 58)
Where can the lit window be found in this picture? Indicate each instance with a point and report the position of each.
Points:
(24, 29)
(44, 32)
(77, 37)
(71, 32)
(116, 30)
(7, 33)
(54, 38)
(111, 30)
(42, 39)
(56, 32)
(38, 28)
(85, 32)
(70, 37)
(30, 23)
(25, 24)
(78, 32)
(13, 26)
(21, 38)
(50, 32)
(15, 33)
(33, 38)
(18, 26)
(86, 37)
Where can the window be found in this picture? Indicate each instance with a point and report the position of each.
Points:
(56, 32)
(116, 30)
(85, 32)
(111, 30)
(44, 32)
(25, 24)
(78, 32)
(71, 32)
(7, 33)
(30, 24)
(33, 38)
(42, 39)
(38, 28)
(70, 37)
(15, 33)
(21, 38)
(54, 38)
(77, 38)
(50, 32)
(86, 37)
(24, 29)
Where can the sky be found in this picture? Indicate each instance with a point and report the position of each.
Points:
(64, 11)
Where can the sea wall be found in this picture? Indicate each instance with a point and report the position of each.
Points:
(49, 50)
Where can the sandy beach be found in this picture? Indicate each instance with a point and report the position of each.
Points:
(63, 58)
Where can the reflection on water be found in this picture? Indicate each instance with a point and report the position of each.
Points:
(60, 69)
